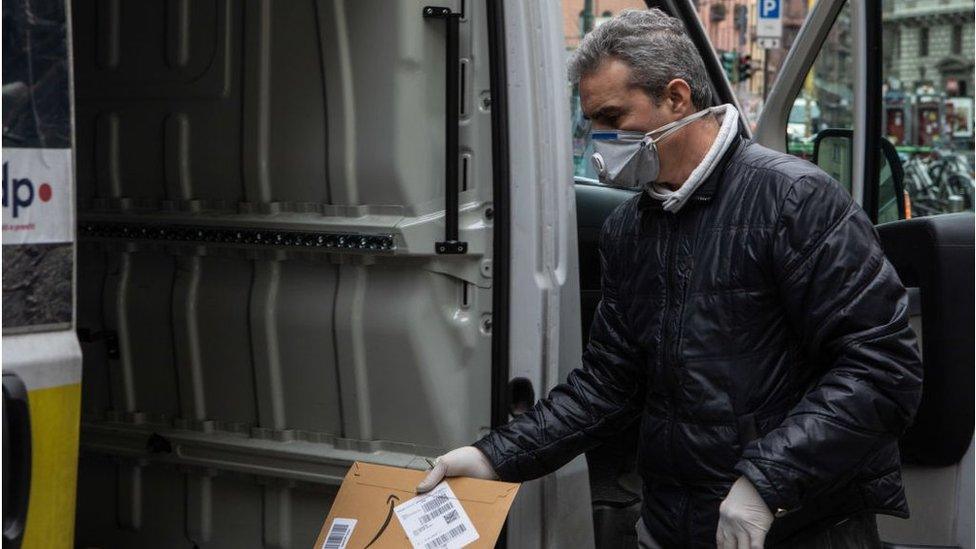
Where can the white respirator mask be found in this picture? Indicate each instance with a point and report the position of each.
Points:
(630, 159)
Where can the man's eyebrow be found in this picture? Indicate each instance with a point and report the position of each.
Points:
(603, 112)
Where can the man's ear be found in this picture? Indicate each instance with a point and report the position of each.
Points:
(678, 95)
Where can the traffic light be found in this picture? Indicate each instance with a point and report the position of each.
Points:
(745, 67)
(728, 64)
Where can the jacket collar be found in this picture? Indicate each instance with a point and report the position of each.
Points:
(707, 189)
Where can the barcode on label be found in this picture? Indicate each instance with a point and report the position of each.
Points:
(436, 520)
(441, 540)
(424, 519)
(434, 503)
(339, 533)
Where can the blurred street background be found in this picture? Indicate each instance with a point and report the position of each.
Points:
(928, 55)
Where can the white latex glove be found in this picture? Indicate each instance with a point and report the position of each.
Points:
(466, 461)
(743, 518)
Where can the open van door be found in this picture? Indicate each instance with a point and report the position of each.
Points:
(313, 232)
(839, 59)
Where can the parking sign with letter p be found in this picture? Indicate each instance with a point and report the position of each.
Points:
(770, 24)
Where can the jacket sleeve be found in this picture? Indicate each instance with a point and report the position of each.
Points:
(598, 400)
(849, 311)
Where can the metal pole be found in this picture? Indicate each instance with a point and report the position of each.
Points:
(765, 73)
(735, 67)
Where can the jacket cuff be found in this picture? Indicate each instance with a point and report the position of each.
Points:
(763, 479)
(504, 465)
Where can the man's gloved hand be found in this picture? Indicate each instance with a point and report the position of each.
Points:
(466, 461)
(743, 518)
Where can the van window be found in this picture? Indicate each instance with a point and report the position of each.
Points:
(927, 113)
(928, 104)
(826, 99)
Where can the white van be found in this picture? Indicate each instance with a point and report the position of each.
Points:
(312, 232)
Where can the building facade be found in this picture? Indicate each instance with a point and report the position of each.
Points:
(929, 44)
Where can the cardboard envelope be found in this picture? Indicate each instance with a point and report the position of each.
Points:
(370, 492)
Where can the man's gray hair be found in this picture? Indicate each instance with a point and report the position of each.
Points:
(654, 45)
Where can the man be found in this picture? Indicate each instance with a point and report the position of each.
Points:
(748, 318)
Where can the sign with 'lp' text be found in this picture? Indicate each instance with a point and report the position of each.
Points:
(38, 207)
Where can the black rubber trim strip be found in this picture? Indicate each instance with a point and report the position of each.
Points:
(872, 108)
(501, 228)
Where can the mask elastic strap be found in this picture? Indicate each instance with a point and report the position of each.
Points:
(672, 127)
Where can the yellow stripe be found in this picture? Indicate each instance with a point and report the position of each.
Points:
(54, 466)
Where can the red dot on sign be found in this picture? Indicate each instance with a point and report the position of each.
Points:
(44, 192)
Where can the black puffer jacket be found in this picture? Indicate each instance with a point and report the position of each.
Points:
(760, 331)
